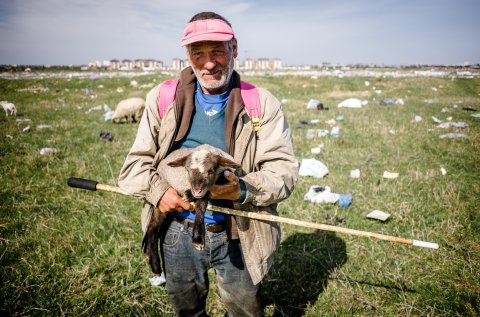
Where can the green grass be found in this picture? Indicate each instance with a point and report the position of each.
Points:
(65, 251)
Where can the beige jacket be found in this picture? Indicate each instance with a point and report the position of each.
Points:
(266, 155)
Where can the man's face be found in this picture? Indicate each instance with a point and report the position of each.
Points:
(212, 63)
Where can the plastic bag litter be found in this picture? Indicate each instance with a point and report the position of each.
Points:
(313, 104)
(446, 125)
(103, 107)
(335, 131)
(323, 194)
(475, 115)
(454, 136)
(418, 118)
(48, 150)
(390, 175)
(312, 167)
(43, 126)
(378, 215)
(355, 173)
(106, 136)
(352, 103)
(436, 120)
(108, 115)
(157, 280)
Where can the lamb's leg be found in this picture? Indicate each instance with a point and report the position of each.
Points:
(151, 238)
(198, 236)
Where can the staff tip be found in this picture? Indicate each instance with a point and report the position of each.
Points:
(425, 244)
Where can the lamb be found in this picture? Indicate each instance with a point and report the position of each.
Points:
(191, 172)
(130, 109)
(9, 108)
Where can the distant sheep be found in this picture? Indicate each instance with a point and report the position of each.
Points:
(130, 109)
(191, 172)
(9, 108)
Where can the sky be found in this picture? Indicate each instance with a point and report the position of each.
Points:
(388, 32)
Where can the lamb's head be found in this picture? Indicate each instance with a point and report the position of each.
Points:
(203, 168)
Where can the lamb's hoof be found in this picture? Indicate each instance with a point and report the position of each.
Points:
(198, 246)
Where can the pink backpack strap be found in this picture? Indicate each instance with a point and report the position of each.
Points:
(251, 100)
(168, 90)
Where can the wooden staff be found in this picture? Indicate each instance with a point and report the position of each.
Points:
(93, 185)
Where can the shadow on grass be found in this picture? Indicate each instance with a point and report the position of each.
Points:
(301, 270)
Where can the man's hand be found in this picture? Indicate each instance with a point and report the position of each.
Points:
(171, 201)
(229, 191)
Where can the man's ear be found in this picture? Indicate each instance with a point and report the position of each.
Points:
(234, 47)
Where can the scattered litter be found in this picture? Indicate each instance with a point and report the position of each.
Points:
(390, 175)
(446, 125)
(436, 120)
(443, 171)
(316, 104)
(284, 101)
(417, 118)
(378, 92)
(315, 150)
(340, 117)
(22, 120)
(312, 167)
(27, 129)
(157, 280)
(95, 77)
(388, 101)
(367, 83)
(392, 132)
(331, 122)
(445, 109)
(323, 194)
(103, 107)
(454, 136)
(120, 90)
(314, 121)
(449, 118)
(43, 126)
(434, 89)
(107, 116)
(475, 115)
(378, 215)
(48, 150)
(455, 106)
(335, 131)
(310, 134)
(106, 136)
(134, 83)
(298, 125)
(399, 101)
(352, 103)
(355, 173)
(9, 136)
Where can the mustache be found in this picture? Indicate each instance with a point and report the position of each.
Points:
(210, 72)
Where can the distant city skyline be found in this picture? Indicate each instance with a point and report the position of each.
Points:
(304, 32)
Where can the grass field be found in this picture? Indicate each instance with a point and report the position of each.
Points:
(69, 252)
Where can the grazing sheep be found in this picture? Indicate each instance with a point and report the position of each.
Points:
(191, 172)
(130, 109)
(9, 108)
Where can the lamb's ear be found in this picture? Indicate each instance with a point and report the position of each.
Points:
(178, 162)
(225, 162)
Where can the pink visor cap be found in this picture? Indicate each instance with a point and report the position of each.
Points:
(206, 30)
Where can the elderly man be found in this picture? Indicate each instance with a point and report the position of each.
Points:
(208, 109)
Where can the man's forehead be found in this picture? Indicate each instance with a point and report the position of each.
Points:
(208, 44)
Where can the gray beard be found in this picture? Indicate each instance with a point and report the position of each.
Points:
(224, 80)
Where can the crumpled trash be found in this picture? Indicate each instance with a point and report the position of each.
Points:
(454, 136)
(352, 103)
(475, 115)
(316, 104)
(355, 173)
(103, 107)
(312, 167)
(107, 116)
(48, 150)
(157, 280)
(378, 215)
(340, 117)
(106, 136)
(43, 126)
(436, 120)
(390, 175)
(323, 194)
(446, 125)
(418, 118)
(27, 129)
(335, 132)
